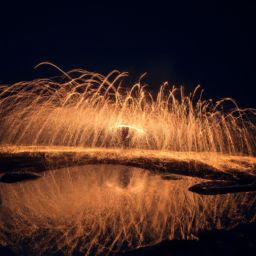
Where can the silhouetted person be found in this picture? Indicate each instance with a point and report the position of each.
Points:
(125, 138)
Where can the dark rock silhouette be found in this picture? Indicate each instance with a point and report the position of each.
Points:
(13, 177)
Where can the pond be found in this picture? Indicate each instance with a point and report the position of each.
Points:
(106, 209)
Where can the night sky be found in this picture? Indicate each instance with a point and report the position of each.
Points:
(211, 43)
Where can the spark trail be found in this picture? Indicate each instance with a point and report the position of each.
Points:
(86, 109)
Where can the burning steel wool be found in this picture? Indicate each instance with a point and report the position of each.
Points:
(101, 206)
(88, 109)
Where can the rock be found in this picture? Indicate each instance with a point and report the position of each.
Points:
(222, 187)
(14, 177)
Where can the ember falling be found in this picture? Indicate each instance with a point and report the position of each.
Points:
(88, 109)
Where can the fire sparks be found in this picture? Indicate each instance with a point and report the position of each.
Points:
(80, 109)
(84, 118)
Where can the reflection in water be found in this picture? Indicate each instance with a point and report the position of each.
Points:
(99, 209)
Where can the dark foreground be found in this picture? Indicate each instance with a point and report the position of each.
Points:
(238, 241)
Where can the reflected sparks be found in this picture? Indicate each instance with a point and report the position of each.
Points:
(101, 209)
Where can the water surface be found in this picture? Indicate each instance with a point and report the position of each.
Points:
(101, 209)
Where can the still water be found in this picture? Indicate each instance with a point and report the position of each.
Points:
(102, 209)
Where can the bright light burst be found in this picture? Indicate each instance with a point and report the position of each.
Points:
(137, 129)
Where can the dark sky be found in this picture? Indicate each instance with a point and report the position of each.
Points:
(211, 43)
